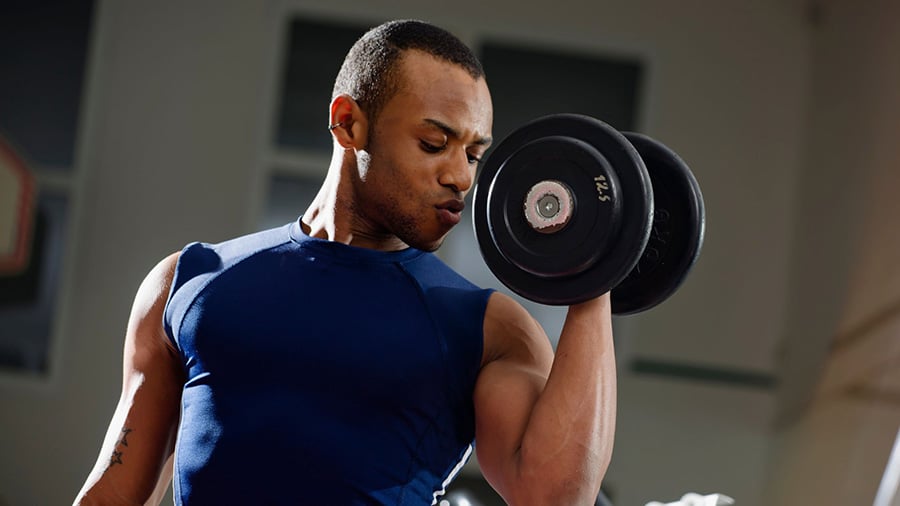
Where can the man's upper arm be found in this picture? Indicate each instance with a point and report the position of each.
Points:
(518, 357)
(140, 438)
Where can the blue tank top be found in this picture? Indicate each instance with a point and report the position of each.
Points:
(320, 373)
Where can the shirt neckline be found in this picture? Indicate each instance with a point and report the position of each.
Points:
(345, 251)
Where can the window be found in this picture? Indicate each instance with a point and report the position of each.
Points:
(302, 144)
(528, 82)
(308, 76)
(43, 49)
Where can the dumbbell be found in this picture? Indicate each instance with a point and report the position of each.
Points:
(567, 208)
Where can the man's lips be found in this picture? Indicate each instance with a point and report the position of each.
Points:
(453, 205)
(449, 211)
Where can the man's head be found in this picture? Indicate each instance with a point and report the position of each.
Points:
(411, 118)
(370, 72)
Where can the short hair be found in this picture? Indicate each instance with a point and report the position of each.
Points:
(370, 74)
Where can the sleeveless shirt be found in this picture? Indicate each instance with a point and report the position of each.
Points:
(320, 373)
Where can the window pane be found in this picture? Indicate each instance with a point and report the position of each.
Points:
(314, 55)
(527, 83)
(43, 48)
(28, 299)
(287, 198)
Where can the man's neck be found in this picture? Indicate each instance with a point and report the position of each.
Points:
(332, 216)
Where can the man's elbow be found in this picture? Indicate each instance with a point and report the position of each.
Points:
(99, 495)
(561, 491)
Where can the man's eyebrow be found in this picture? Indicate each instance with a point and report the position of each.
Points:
(452, 132)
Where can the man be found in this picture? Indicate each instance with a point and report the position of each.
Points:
(334, 360)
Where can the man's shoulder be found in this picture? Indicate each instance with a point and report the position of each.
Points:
(235, 248)
(198, 258)
(249, 243)
(432, 270)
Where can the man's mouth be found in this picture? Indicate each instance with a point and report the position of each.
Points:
(449, 211)
(452, 205)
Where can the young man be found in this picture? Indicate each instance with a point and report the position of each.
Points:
(335, 360)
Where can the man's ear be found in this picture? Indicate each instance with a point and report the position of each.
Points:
(348, 125)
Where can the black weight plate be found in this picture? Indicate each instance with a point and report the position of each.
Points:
(567, 281)
(593, 224)
(676, 237)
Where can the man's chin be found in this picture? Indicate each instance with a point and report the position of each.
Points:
(429, 245)
(427, 240)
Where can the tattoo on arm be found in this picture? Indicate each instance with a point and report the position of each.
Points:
(116, 457)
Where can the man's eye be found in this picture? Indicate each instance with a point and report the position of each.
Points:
(431, 148)
(474, 160)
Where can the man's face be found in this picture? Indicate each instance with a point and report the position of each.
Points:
(423, 151)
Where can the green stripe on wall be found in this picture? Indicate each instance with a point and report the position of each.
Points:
(734, 377)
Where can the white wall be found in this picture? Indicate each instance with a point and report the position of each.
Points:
(172, 147)
(835, 455)
(844, 317)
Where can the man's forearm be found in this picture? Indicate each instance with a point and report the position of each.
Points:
(568, 441)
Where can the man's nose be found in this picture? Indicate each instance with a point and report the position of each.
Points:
(458, 173)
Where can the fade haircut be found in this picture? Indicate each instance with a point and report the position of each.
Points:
(370, 72)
